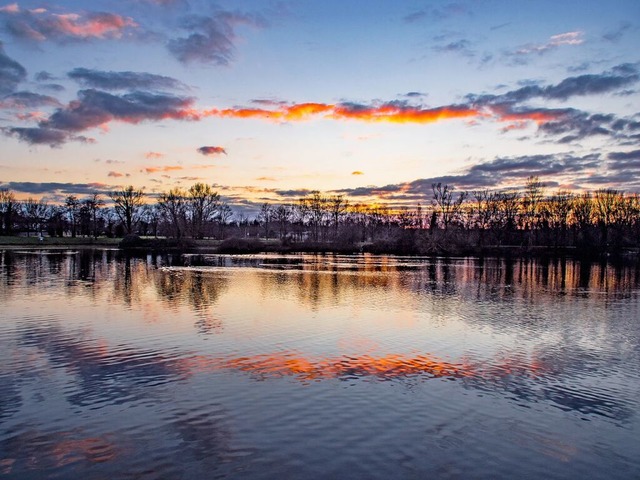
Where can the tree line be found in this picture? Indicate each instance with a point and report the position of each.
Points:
(450, 220)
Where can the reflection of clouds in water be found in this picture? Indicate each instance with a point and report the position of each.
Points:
(99, 377)
(558, 377)
(102, 376)
(124, 375)
(525, 381)
(35, 450)
(510, 297)
(10, 398)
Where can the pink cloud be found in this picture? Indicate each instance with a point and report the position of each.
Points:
(40, 24)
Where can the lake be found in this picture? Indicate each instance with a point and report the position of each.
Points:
(317, 366)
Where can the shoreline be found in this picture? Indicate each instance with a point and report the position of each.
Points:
(255, 246)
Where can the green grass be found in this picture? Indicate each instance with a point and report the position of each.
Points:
(55, 241)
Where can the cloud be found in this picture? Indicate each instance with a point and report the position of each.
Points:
(96, 108)
(357, 172)
(624, 161)
(21, 100)
(414, 94)
(44, 136)
(462, 46)
(167, 168)
(163, 3)
(555, 41)
(394, 111)
(152, 155)
(500, 172)
(11, 73)
(615, 35)
(41, 25)
(295, 193)
(55, 187)
(442, 13)
(633, 155)
(211, 150)
(43, 77)
(115, 174)
(211, 39)
(123, 80)
(618, 77)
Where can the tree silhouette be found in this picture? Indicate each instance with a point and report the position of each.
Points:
(127, 203)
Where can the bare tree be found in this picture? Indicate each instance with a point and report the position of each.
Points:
(72, 206)
(559, 208)
(606, 202)
(7, 207)
(224, 216)
(93, 205)
(486, 210)
(506, 218)
(283, 215)
(127, 203)
(35, 213)
(202, 205)
(583, 211)
(448, 206)
(173, 205)
(337, 206)
(533, 195)
(264, 217)
(316, 204)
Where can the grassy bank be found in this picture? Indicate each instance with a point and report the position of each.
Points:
(35, 242)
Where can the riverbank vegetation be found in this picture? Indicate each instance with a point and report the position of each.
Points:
(451, 222)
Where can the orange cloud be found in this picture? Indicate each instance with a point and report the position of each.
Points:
(402, 114)
(357, 172)
(168, 168)
(152, 155)
(388, 112)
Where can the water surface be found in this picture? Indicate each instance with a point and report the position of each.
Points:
(312, 366)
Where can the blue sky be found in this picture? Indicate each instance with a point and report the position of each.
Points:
(374, 100)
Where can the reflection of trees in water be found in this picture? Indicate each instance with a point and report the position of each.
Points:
(319, 284)
(536, 280)
(195, 288)
(131, 277)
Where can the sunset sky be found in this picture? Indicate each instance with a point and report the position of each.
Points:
(375, 100)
